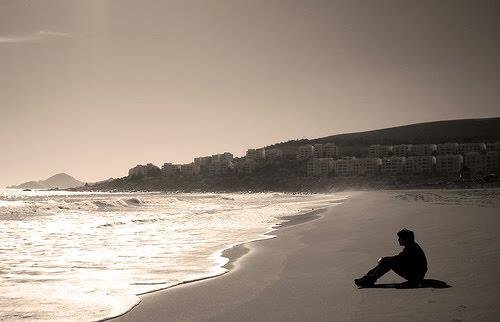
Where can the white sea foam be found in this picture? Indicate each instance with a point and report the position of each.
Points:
(11, 203)
(86, 256)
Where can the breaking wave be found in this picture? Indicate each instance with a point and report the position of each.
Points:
(81, 256)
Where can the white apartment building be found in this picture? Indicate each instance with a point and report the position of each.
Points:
(202, 161)
(169, 169)
(330, 150)
(449, 163)
(367, 166)
(476, 162)
(393, 165)
(465, 148)
(495, 146)
(189, 169)
(320, 167)
(493, 161)
(305, 152)
(310, 167)
(447, 148)
(422, 164)
(247, 166)
(256, 154)
(379, 151)
(318, 150)
(218, 168)
(345, 167)
(138, 170)
(423, 149)
(144, 170)
(274, 154)
(226, 156)
(401, 150)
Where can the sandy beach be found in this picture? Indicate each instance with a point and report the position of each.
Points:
(307, 272)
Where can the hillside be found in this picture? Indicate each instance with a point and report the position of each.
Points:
(60, 180)
(466, 130)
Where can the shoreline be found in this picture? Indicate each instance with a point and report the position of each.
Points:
(307, 272)
(237, 251)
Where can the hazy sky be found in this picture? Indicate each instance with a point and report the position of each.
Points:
(93, 88)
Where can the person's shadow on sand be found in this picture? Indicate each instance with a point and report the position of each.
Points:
(426, 283)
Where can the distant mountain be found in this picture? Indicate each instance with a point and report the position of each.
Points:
(466, 130)
(60, 180)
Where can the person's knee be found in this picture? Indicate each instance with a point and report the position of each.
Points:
(386, 261)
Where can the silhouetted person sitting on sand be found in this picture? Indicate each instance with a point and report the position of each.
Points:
(410, 264)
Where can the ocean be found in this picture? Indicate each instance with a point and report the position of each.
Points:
(84, 256)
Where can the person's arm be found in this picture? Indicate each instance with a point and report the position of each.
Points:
(399, 256)
(387, 258)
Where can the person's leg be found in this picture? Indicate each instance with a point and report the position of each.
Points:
(381, 269)
(400, 270)
(412, 278)
(384, 265)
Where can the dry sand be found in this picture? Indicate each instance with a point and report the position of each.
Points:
(306, 274)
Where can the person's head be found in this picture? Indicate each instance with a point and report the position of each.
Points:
(405, 237)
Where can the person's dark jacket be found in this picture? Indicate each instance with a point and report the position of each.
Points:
(412, 260)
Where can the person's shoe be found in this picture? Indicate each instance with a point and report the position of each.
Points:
(364, 282)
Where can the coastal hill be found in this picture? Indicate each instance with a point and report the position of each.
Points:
(459, 131)
(60, 180)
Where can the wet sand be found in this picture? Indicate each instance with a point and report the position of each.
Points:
(306, 273)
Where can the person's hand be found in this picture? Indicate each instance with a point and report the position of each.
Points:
(387, 258)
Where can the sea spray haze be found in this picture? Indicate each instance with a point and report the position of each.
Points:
(86, 256)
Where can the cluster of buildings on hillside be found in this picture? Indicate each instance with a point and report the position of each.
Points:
(319, 150)
(445, 159)
(214, 165)
(326, 160)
